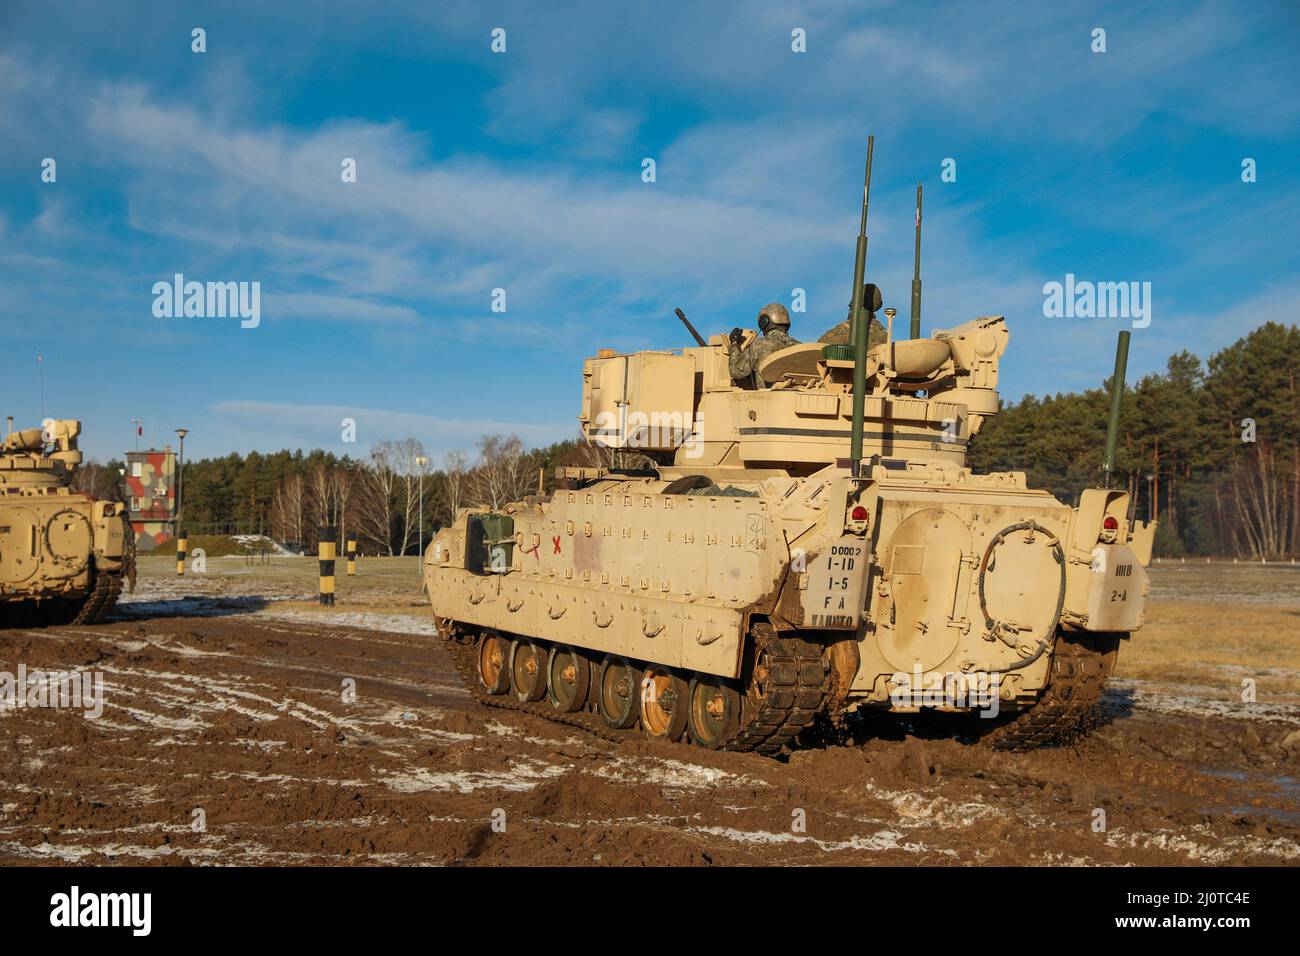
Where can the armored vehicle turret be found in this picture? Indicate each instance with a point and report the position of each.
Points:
(807, 543)
(63, 554)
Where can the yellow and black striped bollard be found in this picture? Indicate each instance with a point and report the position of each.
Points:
(352, 557)
(329, 544)
(181, 543)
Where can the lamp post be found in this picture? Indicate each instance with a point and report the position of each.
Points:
(180, 478)
(420, 462)
(1151, 499)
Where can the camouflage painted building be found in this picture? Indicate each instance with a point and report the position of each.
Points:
(151, 496)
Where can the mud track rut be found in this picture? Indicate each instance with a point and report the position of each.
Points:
(243, 716)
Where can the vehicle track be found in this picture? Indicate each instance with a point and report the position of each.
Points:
(782, 703)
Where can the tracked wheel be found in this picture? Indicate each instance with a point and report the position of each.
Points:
(493, 658)
(618, 691)
(568, 678)
(713, 710)
(528, 661)
(664, 703)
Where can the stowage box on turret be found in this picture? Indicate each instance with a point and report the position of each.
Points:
(63, 554)
(754, 572)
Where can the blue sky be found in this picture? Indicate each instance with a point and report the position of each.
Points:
(522, 171)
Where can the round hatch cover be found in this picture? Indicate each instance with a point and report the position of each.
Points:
(69, 538)
(1022, 582)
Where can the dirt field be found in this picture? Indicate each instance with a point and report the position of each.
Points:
(224, 702)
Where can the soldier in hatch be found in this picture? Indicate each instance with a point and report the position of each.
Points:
(774, 323)
(840, 334)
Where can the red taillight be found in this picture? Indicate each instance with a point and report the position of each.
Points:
(1110, 524)
(859, 513)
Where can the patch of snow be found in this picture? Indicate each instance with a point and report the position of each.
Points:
(1197, 701)
(521, 776)
(876, 842)
(918, 810)
(260, 543)
(1226, 849)
(669, 773)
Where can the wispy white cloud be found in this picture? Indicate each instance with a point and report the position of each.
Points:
(542, 216)
(333, 308)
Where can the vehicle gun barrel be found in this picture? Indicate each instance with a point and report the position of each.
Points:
(699, 339)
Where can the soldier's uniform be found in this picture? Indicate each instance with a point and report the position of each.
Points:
(840, 334)
(744, 364)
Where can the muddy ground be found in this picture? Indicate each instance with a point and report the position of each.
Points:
(224, 704)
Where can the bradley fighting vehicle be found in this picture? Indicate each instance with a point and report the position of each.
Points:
(805, 545)
(63, 554)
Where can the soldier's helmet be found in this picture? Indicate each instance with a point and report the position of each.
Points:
(773, 315)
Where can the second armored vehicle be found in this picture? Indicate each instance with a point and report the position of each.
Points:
(63, 555)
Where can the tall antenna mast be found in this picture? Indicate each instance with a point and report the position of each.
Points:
(916, 271)
(858, 325)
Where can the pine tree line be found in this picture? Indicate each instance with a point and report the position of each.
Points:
(1212, 450)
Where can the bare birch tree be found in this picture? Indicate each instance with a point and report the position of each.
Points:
(503, 473)
(455, 473)
(287, 509)
(320, 499)
(340, 481)
(410, 462)
(376, 485)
